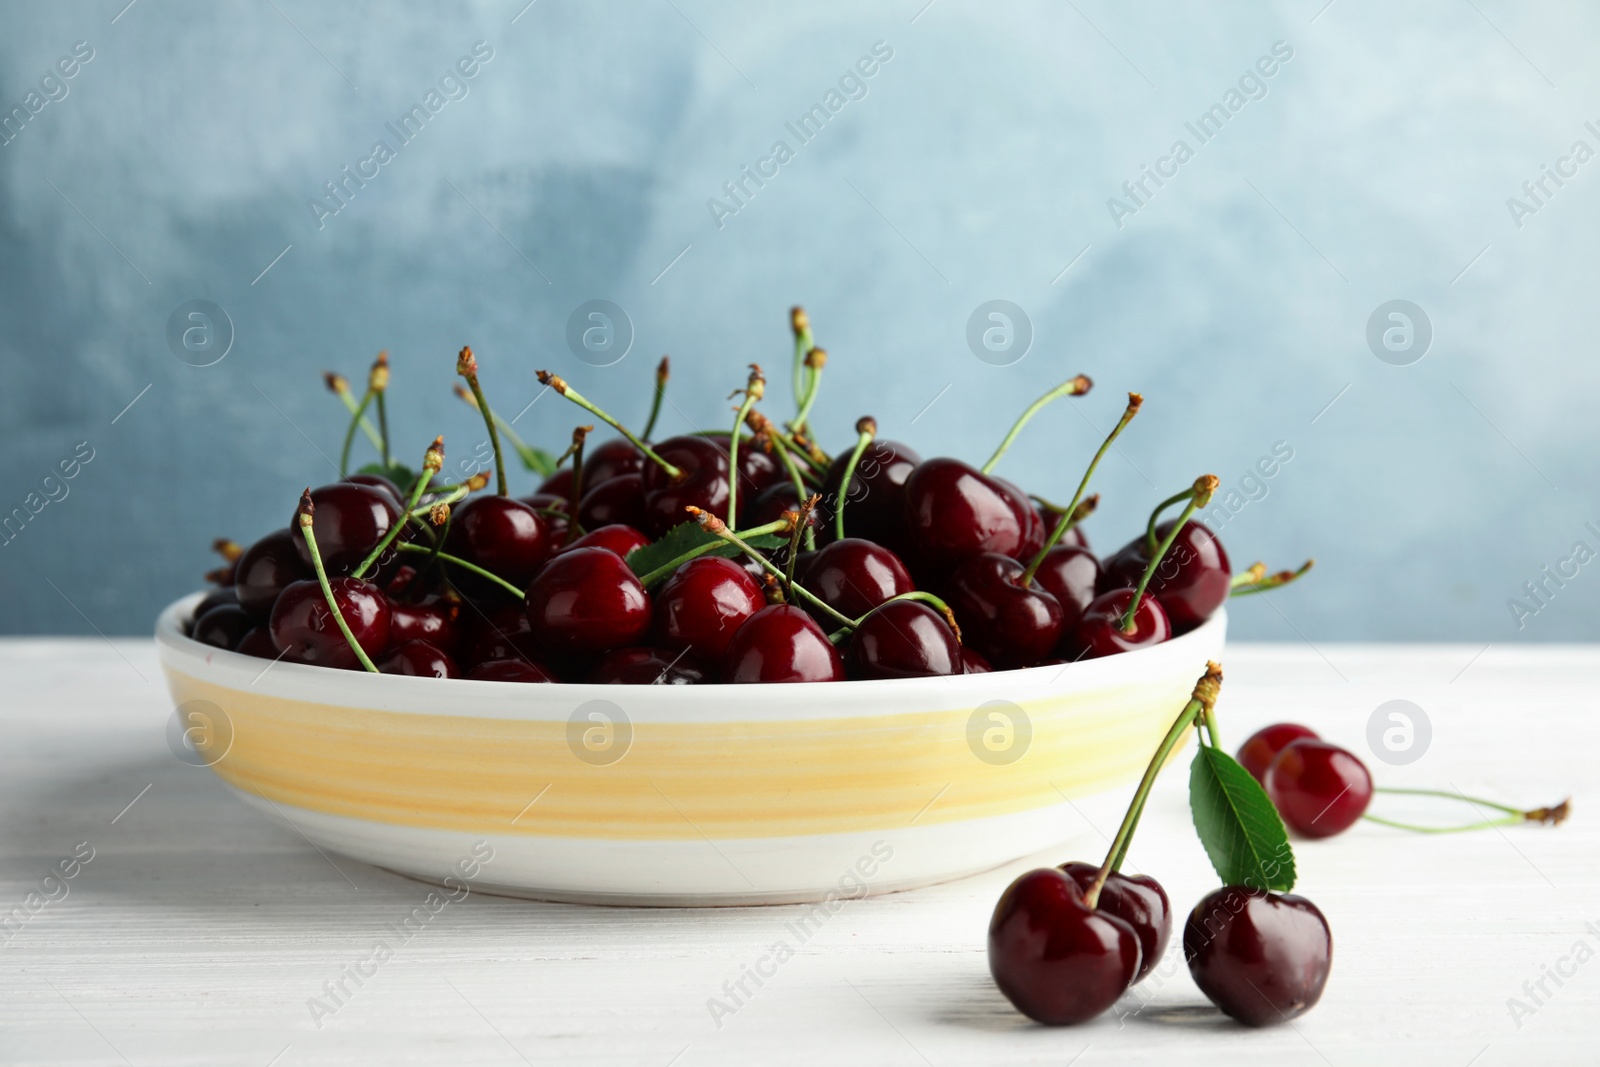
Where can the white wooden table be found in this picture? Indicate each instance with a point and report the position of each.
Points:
(200, 929)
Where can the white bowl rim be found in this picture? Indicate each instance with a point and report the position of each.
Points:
(833, 699)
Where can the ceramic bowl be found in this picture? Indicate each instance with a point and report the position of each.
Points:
(678, 795)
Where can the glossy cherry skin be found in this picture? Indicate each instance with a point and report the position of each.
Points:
(304, 630)
(223, 626)
(972, 662)
(1318, 788)
(349, 521)
(214, 599)
(875, 506)
(379, 482)
(503, 536)
(511, 670)
(702, 482)
(1059, 962)
(1099, 629)
(1136, 899)
(418, 659)
(1029, 521)
(503, 633)
(610, 458)
(1263, 746)
(1071, 575)
(1191, 581)
(1074, 537)
(903, 639)
(587, 601)
(854, 576)
(545, 504)
(953, 512)
(645, 666)
(781, 643)
(616, 501)
(615, 538)
(1011, 625)
(703, 604)
(759, 469)
(770, 504)
(1261, 957)
(433, 619)
(258, 642)
(267, 568)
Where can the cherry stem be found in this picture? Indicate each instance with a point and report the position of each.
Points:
(755, 388)
(1260, 583)
(556, 382)
(779, 526)
(452, 494)
(457, 561)
(720, 529)
(432, 461)
(383, 428)
(467, 367)
(529, 456)
(800, 323)
(378, 384)
(816, 359)
(1200, 703)
(1150, 539)
(802, 525)
(579, 435)
(1076, 387)
(866, 430)
(356, 419)
(1554, 815)
(926, 598)
(340, 387)
(1069, 516)
(663, 372)
(813, 458)
(1199, 496)
(800, 491)
(304, 516)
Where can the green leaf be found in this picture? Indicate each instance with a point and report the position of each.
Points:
(398, 473)
(686, 537)
(1238, 825)
(537, 460)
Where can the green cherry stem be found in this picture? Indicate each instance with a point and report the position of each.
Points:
(529, 455)
(1076, 387)
(378, 384)
(779, 526)
(817, 464)
(303, 516)
(432, 461)
(800, 324)
(1261, 583)
(800, 490)
(755, 388)
(924, 597)
(556, 382)
(816, 359)
(1150, 539)
(663, 372)
(339, 386)
(1069, 516)
(1554, 815)
(457, 561)
(1199, 496)
(467, 367)
(357, 417)
(716, 526)
(866, 430)
(1203, 697)
(802, 524)
(580, 434)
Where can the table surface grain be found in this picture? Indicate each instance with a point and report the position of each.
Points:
(200, 930)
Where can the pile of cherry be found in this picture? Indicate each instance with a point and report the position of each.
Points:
(748, 555)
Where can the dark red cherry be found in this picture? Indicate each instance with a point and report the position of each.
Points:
(503, 536)
(646, 666)
(1071, 575)
(615, 538)
(1055, 959)
(433, 619)
(223, 626)
(1074, 538)
(558, 484)
(702, 482)
(1192, 580)
(616, 501)
(903, 639)
(609, 459)
(379, 482)
(973, 662)
(1011, 625)
(875, 506)
(587, 600)
(266, 568)
(1099, 630)
(418, 659)
(759, 469)
(1136, 899)
(257, 642)
(770, 504)
(1318, 788)
(1029, 521)
(511, 670)
(703, 604)
(781, 643)
(304, 630)
(853, 576)
(503, 633)
(546, 504)
(214, 599)
(1263, 746)
(349, 522)
(1261, 957)
(953, 512)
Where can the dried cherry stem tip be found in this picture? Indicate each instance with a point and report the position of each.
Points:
(1252, 582)
(716, 526)
(556, 382)
(304, 515)
(1075, 387)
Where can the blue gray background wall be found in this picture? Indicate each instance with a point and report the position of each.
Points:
(976, 163)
